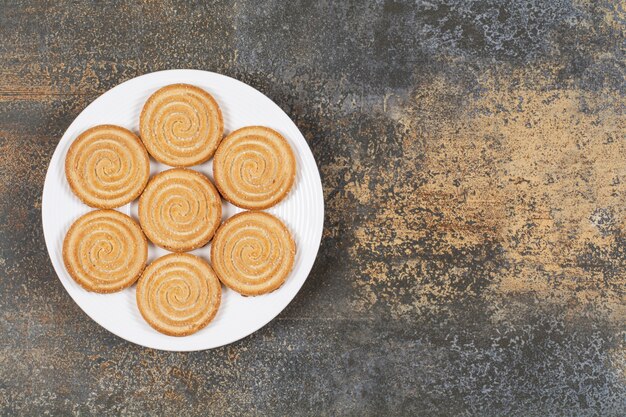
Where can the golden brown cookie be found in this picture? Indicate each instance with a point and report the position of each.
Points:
(178, 294)
(180, 210)
(253, 253)
(105, 251)
(254, 167)
(107, 166)
(181, 125)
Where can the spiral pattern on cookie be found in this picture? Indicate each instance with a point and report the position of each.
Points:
(107, 166)
(181, 125)
(253, 253)
(254, 167)
(105, 251)
(180, 210)
(178, 294)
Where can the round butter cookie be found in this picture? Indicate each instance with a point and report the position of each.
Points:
(105, 251)
(253, 253)
(178, 294)
(180, 210)
(254, 167)
(181, 125)
(107, 166)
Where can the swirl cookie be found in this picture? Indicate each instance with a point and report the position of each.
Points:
(180, 210)
(178, 294)
(252, 253)
(254, 168)
(107, 166)
(105, 251)
(181, 125)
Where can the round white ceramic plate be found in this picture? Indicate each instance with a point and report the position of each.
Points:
(302, 211)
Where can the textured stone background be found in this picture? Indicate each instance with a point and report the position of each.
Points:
(473, 156)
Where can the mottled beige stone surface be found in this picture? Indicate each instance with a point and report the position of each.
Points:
(473, 157)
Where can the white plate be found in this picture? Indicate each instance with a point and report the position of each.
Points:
(302, 211)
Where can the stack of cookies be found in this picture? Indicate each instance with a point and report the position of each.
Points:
(179, 209)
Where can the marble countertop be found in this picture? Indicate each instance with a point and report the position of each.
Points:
(473, 159)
